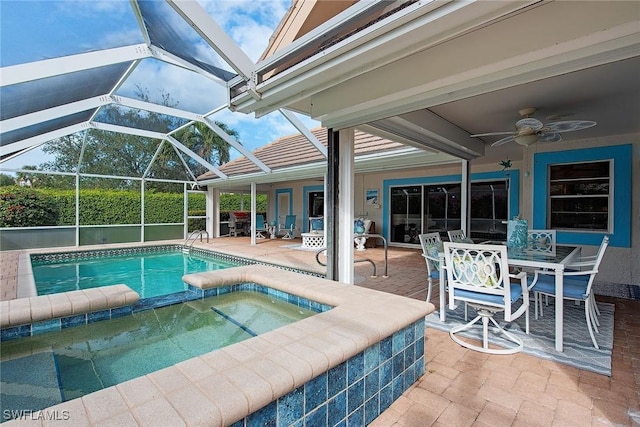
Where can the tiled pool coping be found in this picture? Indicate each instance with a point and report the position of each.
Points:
(294, 373)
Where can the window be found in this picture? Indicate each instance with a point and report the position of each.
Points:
(419, 209)
(580, 196)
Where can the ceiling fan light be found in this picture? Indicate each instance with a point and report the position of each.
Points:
(526, 140)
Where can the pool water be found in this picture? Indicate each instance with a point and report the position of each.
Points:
(150, 275)
(47, 369)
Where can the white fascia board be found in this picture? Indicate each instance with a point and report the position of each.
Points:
(53, 113)
(194, 156)
(340, 62)
(42, 138)
(156, 108)
(235, 144)
(21, 73)
(214, 35)
(297, 123)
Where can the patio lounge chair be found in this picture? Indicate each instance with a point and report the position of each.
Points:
(260, 227)
(478, 275)
(288, 227)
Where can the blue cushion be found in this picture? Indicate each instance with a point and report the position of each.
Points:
(574, 289)
(435, 274)
(317, 224)
(516, 293)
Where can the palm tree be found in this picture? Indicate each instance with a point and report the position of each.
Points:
(206, 143)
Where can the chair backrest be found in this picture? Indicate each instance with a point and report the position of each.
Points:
(431, 246)
(482, 271)
(316, 224)
(541, 242)
(290, 222)
(596, 263)
(456, 236)
(260, 222)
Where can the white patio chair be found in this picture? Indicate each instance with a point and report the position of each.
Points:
(431, 247)
(577, 286)
(541, 242)
(458, 236)
(478, 275)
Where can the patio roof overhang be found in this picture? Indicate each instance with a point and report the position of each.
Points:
(405, 158)
(392, 75)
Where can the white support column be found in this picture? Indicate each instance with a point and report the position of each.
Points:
(346, 207)
(253, 213)
(465, 194)
(185, 210)
(213, 212)
(77, 209)
(142, 226)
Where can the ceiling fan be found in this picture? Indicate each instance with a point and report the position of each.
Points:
(530, 130)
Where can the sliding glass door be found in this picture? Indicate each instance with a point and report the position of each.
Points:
(417, 209)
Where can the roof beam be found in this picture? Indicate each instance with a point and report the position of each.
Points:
(42, 138)
(21, 73)
(177, 144)
(297, 123)
(235, 144)
(214, 35)
(156, 108)
(53, 113)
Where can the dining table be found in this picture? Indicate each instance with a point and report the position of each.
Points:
(521, 258)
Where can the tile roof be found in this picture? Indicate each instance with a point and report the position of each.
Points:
(296, 150)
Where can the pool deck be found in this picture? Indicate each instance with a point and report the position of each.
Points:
(463, 387)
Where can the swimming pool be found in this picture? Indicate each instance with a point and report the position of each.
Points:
(44, 370)
(154, 272)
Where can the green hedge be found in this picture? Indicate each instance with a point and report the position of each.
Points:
(108, 207)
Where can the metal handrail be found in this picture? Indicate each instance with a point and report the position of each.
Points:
(379, 236)
(194, 234)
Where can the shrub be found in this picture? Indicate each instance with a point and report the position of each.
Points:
(23, 207)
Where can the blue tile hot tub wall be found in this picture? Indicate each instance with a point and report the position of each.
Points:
(355, 392)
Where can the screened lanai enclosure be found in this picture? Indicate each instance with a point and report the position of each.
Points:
(133, 113)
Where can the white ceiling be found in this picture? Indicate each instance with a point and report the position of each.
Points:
(608, 94)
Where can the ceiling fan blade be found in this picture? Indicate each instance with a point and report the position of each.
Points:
(503, 141)
(529, 122)
(569, 125)
(549, 137)
(492, 134)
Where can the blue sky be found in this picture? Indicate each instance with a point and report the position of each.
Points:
(35, 30)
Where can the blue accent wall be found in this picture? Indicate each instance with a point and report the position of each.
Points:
(512, 174)
(622, 184)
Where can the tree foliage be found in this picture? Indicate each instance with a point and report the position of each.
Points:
(104, 152)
